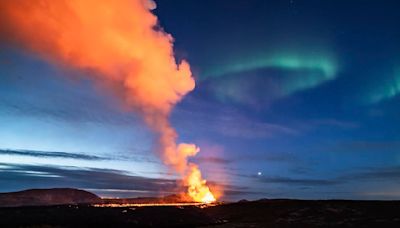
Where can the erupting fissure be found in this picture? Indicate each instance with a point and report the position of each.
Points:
(198, 189)
(117, 40)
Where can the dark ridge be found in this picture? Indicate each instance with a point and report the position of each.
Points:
(45, 197)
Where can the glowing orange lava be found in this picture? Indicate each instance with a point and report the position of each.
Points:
(154, 205)
(197, 186)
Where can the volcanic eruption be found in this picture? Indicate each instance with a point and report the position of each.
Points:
(122, 45)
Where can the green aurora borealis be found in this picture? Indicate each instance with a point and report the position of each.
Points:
(387, 88)
(298, 71)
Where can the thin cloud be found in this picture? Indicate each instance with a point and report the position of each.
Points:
(227, 122)
(14, 177)
(215, 160)
(52, 154)
(105, 182)
(376, 174)
(367, 146)
(335, 123)
(298, 181)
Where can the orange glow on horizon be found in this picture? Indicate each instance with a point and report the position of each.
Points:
(155, 205)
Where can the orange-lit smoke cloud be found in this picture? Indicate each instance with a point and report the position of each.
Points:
(122, 42)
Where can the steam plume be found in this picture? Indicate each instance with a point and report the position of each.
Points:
(122, 42)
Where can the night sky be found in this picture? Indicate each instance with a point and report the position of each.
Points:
(293, 99)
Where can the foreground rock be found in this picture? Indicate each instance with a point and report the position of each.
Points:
(78, 211)
(308, 213)
(87, 216)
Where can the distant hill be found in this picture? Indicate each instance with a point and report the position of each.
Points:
(43, 197)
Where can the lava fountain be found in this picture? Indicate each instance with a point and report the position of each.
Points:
(198, 189)
(123, 46)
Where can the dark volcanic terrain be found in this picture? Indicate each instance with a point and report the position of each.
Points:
(261, 213)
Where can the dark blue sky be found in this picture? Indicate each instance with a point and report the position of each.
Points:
(293, 99)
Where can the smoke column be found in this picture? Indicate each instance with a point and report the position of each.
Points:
(121, 41)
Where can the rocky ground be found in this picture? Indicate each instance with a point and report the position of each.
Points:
(262, 213)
